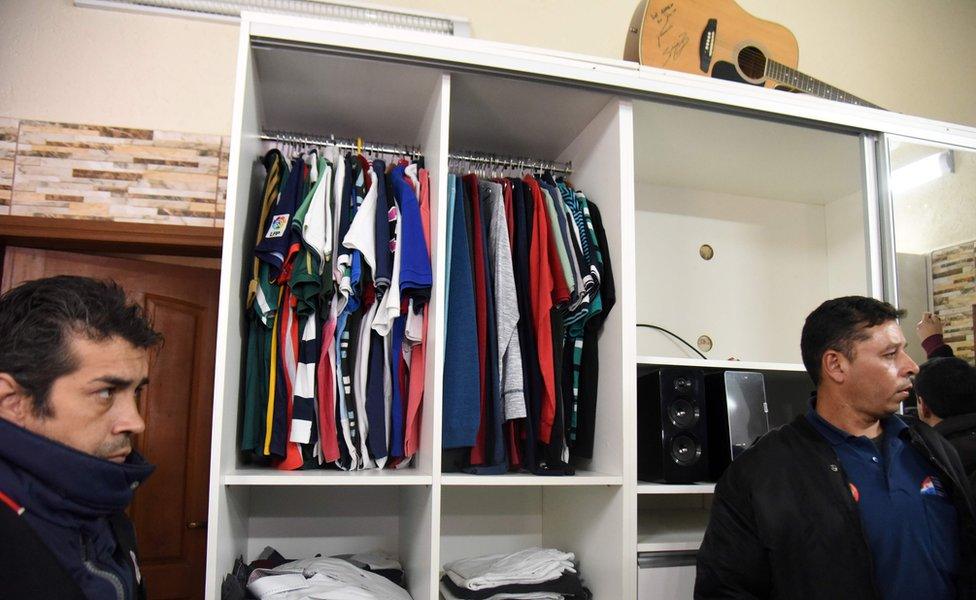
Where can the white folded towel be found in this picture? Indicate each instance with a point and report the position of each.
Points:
(530, 566)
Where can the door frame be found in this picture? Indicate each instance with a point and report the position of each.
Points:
(90, 235)
(77, 235)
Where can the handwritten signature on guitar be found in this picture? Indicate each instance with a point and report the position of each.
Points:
(663, 18)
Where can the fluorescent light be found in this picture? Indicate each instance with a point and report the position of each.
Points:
(230, 11)
(921, 171)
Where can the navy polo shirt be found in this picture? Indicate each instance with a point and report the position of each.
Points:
(907, 516)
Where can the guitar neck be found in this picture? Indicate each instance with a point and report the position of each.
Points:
(780, 73)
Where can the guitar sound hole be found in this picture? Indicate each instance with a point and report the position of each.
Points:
(752, 62)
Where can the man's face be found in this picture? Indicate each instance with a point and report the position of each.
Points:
(95, 408)
(877, 379)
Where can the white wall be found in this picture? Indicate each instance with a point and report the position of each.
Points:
(940, 213)
(73, 65)
(847, 263)
(768, 273)
(62, 63)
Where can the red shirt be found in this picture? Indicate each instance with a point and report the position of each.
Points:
(481, 314)
(542, 293)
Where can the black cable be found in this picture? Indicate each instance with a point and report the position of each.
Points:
(675, 336)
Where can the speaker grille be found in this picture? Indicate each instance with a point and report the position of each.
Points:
(685, 450)
(683, 413)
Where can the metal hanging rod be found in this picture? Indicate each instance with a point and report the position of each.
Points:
(514, 162)
(331, 140)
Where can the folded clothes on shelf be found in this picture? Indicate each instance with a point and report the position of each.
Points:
(532, 565)
(373, 575)
(567, 586)
(531, 574)
(322, 579)
(446, 594)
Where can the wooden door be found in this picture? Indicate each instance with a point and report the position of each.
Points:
(170, 510)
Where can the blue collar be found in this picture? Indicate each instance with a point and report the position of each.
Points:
(890, 426)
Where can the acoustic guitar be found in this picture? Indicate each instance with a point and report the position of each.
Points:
(720, 39)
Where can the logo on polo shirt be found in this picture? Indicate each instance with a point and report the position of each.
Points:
(279, 224)
(931, 486)
(855, 493)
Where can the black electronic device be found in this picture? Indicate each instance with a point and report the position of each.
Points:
(737, 415)
(672, 444)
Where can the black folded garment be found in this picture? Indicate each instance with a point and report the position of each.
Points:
(569, 585)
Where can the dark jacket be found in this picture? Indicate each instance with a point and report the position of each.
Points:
(961, 429)
(785, 525)
(961, 433)
(935, 347)
(65, 509)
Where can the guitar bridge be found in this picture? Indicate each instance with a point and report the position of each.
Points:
(706, 45)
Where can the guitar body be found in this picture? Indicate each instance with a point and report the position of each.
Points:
(696, 36)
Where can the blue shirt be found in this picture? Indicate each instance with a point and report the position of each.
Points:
(908, 518)
(462, 400)
(415, 272)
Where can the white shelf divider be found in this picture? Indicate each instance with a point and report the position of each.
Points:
(527, 479)
(263, 476)
(739, 365)
(667, 488)
(671, 530)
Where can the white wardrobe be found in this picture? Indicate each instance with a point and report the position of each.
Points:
(786, 190)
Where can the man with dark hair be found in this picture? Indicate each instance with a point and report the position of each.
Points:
(945, 388)
(846, 501)
(73, 361)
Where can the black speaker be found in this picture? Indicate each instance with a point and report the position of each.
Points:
(672, 430)
(737, 415)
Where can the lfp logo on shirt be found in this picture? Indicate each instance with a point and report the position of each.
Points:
(931, 486)
(278, 226)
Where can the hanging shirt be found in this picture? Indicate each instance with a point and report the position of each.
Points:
(543, 292)
(361, 377)
(461, 398)
(524, 209)
(582, 446)
(361, 235)
(418, 359)
(326, 387)
(276, 241)
(377, 410)
(506, 303)
(390, 304)
(279, 410)
(397, 412)
(490, 446)
(262, 296)
(303, 397)
(415, 272)
(304, 284)
(346, 401)
(557, 233)
(472, 211)
(382, 234)
(276, 174)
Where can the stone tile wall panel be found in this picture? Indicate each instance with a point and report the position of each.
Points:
(8, 151)
(115, 173)
(954, 294)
